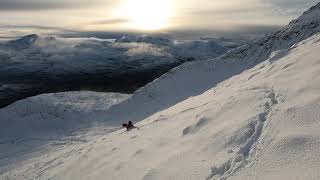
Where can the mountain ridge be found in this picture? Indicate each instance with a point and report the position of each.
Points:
(193, 78)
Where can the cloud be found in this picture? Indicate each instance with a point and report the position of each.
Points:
(110, 21)
(143, 49)
(30, 5)
(14, 31)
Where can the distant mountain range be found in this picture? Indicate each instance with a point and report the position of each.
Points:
(36, 64)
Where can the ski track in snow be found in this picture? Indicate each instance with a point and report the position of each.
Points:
(244, 155)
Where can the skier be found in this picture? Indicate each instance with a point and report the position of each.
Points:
(129, 126)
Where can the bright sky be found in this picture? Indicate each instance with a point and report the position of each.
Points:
(149, 15)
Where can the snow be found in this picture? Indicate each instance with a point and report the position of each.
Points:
(42, 114)
(49, 120)
(253, 113)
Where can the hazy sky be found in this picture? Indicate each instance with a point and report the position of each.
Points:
(149, 15)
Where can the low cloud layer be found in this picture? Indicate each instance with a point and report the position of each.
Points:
(22, 5)
(87, 54)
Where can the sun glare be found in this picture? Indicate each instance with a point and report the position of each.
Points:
(147, 14)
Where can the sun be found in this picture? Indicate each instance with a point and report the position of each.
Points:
(147, 14)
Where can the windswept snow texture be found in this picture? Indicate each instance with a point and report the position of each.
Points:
(260, 124)
(34, 64)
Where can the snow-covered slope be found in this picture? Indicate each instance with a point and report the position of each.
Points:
(45, 121)
(194, 78)
(260, 124)
(53, 114)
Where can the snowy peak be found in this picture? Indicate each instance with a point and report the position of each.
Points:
(126, 39)
(24, 41)
(154, 40)
(29, 38)
(29, 41)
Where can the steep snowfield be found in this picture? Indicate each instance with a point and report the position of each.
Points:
(260, 124)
